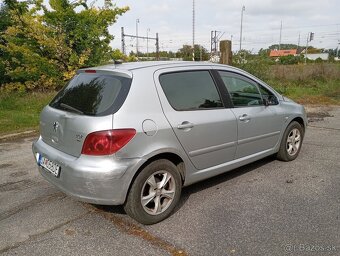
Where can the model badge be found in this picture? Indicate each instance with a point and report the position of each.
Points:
(55, 126)
(79, 137)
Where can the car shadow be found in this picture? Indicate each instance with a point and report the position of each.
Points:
(199, 186)
(220, 179)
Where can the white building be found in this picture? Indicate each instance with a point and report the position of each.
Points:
(314, 56)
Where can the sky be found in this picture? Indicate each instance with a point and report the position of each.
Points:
(261, 23)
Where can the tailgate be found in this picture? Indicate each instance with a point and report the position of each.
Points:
(66, 131)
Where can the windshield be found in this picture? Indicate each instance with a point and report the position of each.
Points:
(93, 94)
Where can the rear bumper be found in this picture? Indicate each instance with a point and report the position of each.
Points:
(92, 179)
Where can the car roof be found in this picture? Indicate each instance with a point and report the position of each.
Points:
(126, 68)
(130, 66)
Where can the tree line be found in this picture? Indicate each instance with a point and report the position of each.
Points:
(42, 46)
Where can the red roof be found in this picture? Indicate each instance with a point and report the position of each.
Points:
(278, 53)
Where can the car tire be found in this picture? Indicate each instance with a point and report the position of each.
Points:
(154, 193)
(291, 142)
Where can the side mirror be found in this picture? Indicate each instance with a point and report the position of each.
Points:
(265, 102)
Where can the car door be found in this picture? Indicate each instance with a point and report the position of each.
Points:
(259, 124)
(192, 104)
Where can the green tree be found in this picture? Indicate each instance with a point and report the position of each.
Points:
(47, 45)
(118, 55)
(264, 52)
(290, 59)
(186, 52)
(283, 46)
(5, 22)
(258, 65)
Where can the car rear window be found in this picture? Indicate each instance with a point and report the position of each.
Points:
(93, 94)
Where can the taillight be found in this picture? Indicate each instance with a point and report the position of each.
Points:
(106, 142)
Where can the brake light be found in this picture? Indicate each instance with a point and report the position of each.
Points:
(90, 71)
(106, 142)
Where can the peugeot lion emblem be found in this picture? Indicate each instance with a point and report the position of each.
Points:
(55, 126)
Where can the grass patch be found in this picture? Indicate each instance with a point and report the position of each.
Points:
(20, 112)
(318, 92)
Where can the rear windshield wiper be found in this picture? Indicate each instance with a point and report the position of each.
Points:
(71, 108)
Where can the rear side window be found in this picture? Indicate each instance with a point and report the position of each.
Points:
(93, 94)
(190, 90)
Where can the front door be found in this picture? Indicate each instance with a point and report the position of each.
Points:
(259, 125)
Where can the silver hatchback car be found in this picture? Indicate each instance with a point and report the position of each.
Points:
(136, 133)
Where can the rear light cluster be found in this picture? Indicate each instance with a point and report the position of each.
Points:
(106, 142)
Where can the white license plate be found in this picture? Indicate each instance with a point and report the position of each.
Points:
(49, 165)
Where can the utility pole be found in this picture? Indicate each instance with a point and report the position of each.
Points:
(214, 39)
(137, 21)
(193, 30)
(243, 9)
(147, 42)
(123, 41)
(280, 36)
(298, 44)
(157, 47)
(310, 37)
(141, 37)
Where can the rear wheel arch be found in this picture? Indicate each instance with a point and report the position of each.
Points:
(172, 157)
(155, 189)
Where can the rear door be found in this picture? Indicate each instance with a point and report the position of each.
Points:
(259, 125)
(193, 106)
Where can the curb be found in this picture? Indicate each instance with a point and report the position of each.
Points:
(18, 135)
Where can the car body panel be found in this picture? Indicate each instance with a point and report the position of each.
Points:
(67, 131)
(260, 130)
(218, 141)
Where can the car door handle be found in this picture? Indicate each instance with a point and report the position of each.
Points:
(185, 125)
(244, 118)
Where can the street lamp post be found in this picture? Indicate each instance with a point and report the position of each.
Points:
(137, 21)
(193, 30)
(243, 9)
(147, 42)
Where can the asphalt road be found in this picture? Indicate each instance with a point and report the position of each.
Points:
(265, 208)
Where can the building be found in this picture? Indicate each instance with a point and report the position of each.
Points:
(280, 53)
(314, 56)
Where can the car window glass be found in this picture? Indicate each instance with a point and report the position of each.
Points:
(93, 94)
(190, 90)
(268, 95)
(242, 92)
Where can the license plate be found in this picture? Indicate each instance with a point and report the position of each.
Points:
(49, 165)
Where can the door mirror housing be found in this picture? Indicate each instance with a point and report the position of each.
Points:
(265, 102)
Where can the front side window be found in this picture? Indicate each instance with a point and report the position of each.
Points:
(268, 96)
(190, 90)
(242, 92)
